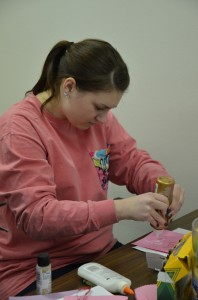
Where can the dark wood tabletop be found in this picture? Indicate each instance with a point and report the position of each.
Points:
(125, 260)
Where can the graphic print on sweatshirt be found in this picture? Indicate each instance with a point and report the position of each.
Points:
(100, 159)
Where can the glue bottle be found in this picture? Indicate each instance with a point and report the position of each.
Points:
(106, 278)
(43, 274)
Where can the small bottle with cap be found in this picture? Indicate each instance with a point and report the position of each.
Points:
(43, 274)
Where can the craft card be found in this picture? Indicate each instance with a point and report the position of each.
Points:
(162, 242)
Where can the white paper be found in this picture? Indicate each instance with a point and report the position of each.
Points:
(94, 291)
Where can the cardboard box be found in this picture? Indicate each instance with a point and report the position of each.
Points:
(156, 260)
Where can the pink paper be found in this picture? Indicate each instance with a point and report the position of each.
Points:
(53, 296)
(146, 292)
(87, 297)
(163, 242)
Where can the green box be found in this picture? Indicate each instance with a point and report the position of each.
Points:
(165, 287)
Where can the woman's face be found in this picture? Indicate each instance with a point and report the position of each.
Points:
(84, 109)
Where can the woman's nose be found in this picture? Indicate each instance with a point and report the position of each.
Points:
(102, 117)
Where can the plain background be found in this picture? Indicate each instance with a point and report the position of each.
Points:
(158, 39)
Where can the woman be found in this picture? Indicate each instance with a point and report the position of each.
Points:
(59, 148)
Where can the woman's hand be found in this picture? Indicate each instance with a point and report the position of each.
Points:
(151, 207)
(178, 200)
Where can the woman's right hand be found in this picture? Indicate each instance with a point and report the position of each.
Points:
(151, 207)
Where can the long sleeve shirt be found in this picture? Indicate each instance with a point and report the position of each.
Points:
(54, 180)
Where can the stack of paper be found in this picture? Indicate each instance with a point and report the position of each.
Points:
(157, 245)
(161, 243)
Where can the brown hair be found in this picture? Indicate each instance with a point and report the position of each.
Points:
(94, 64)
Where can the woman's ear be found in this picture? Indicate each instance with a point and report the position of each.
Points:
(69, 84)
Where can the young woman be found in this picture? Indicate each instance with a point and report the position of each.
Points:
(59, 147)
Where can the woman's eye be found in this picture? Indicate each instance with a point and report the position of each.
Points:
(99, 108)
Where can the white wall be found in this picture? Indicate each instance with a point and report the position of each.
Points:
(159, 41)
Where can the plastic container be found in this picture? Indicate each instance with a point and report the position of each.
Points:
(105, 277)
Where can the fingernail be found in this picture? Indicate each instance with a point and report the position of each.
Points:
(168, 211)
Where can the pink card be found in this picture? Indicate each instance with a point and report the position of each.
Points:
(146, 292)
(162, 242)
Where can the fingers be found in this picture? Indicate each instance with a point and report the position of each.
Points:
(154, 223)
(158, 212)
(160, 202)
(178, 199)
(157, 208)
(161, 198)
(159, 220)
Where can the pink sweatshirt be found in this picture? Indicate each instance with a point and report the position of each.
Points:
(54, 179)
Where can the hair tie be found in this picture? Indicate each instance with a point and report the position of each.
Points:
(60, 52)
(68, 46)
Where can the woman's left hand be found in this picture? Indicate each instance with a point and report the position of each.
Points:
(178, 200)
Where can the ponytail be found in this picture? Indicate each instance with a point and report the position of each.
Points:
(47, 80)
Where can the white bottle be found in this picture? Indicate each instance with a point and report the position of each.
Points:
(43, 274)
(105, 277)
